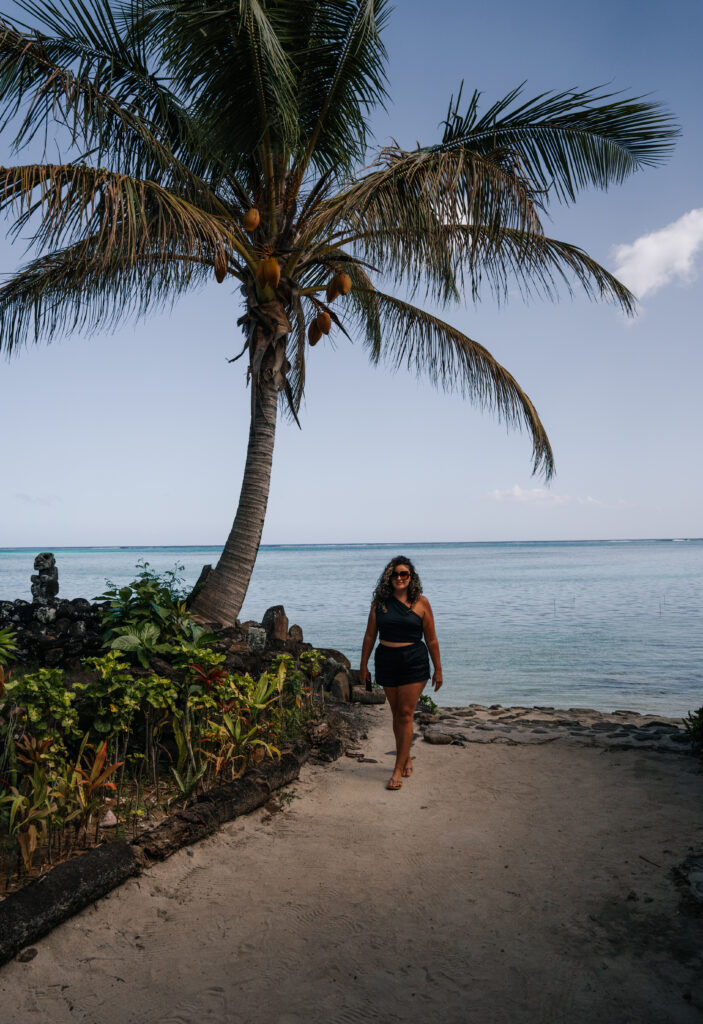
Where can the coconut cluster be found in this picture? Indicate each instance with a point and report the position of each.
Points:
(268, 275)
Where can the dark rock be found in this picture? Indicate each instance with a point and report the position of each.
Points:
(256, 638)
(360, 695)
(295, 634)
(337, 656)
(232, 633)
(275, 622)
(22, 611)
(437, 736)
(331, 749)
(340, 687)
(45, 613)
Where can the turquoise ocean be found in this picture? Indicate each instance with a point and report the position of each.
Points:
(600, 624)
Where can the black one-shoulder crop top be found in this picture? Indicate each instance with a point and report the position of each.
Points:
(398, 624)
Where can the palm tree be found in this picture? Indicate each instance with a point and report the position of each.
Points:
(232, 138)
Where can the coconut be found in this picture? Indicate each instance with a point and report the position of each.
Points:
(268, 272)
(252, 219)
(272, 271)
(220, 267)
(314, 333)
(340, 284)
(333, 289)
(324, 322)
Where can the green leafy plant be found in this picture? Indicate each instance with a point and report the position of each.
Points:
(47, 703)
(151, 596)
(693, 724)
(427, 704)
(188, 784)
(8, 647)
(110, 697)
(149, 618)
(29, 814)
(143, 641)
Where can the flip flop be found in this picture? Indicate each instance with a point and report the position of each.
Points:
(394, 785)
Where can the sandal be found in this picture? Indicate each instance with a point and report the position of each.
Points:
(394, 784)
(407, 771)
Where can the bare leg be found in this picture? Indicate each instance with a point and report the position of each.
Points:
(403, 700)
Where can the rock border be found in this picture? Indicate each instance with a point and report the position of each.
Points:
(617, 730)
(30, 913)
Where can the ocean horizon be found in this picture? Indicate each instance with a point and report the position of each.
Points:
(607, 624)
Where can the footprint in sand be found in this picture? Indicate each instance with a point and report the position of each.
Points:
(207, 1007)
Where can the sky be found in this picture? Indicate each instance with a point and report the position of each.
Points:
(139, 436)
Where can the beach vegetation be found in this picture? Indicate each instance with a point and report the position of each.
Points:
(231, 142)
(693, 724)
(425, 703)
(8, 646)
(133, 742)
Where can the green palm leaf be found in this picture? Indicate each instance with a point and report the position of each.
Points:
(565, 141)
(422, 343)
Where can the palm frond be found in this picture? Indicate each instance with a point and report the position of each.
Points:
(63, 203)
(411, 197)
(565, 141)
(461, 257)
(139, 127)
(417, 341)
(342, 78)
(292, 398)
(76, 290)
(228, 60)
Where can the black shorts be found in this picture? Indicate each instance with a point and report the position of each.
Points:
(396, 666)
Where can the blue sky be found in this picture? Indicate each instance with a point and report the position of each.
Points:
(139, 437)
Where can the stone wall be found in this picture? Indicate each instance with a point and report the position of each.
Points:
(50, 631)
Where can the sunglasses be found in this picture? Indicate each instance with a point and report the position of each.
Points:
(400, 575)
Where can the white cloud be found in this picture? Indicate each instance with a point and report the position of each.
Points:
(654, 260)
(540, 497)
(38, 499)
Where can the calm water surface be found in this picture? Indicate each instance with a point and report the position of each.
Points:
(590, 624)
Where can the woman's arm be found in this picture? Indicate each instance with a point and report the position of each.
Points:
(432, 642)
(367, 646)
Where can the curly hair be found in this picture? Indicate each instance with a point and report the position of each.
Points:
(384, 587)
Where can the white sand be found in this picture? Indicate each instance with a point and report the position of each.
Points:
(492, 888)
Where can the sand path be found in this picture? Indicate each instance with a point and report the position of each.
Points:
(502, 884)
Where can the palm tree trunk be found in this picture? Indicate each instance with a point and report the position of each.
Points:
(222, 595)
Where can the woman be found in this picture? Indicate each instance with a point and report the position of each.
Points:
(402, 616)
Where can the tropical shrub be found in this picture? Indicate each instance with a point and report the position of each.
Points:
(425, 703)
(142, 739)
(693, 724)
(8, 646)
(44, 704)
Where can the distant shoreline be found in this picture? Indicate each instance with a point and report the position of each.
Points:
(357, 544)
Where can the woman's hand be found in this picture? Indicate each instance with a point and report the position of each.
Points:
(437, 682)
(365, 678)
